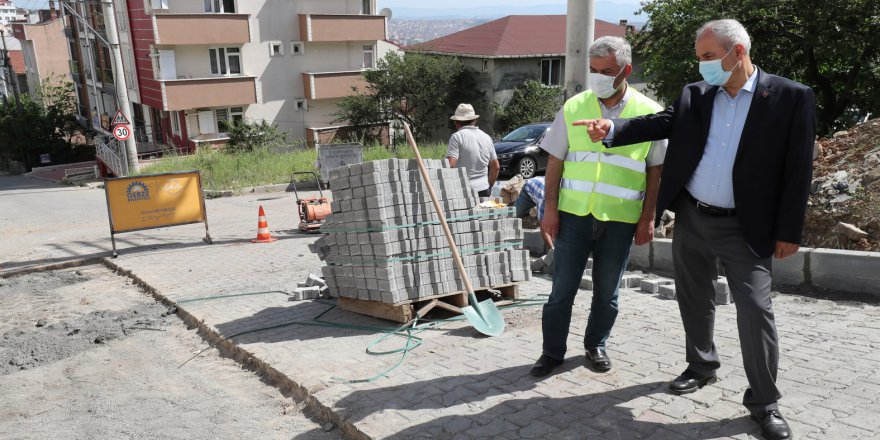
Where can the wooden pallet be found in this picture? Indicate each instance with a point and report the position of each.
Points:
(405, 311)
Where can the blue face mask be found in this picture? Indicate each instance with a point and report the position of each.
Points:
(713, 73)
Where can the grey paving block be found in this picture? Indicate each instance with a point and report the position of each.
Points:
(667, 291)
(628, 281)
(653, 285)
(722, 291)
(587, 282)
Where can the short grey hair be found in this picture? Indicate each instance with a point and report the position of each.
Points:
(616, 46)
(729, 33)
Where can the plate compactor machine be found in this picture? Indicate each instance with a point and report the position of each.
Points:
(312, 210)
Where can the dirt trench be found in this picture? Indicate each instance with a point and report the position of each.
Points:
(85, 354)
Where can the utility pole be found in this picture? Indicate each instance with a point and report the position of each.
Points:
(112, 41)
(121, 86)
(11, 74)
(580, 26)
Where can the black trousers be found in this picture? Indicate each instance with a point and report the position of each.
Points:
(699, 239)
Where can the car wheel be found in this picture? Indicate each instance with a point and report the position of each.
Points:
(527, 167)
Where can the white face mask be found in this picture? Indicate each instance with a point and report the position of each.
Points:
(603, 85)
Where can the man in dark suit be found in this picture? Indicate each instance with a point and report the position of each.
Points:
(737, 174)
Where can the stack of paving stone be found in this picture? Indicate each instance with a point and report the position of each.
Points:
(383, 241)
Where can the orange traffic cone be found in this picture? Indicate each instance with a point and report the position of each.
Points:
(263, 235)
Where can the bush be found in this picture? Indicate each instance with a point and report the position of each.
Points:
(250, 136)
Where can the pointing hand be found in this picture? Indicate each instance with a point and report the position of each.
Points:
(597, 129)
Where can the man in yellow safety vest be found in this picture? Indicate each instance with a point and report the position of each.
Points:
(597, 199)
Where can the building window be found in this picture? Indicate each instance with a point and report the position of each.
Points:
(276, 48)
(225, 61)
(106, 65)
(485, 65)
(367, 7)
(220, 6)
(175, 123)
(160, 5)
(551, 70)
(122, 17)
(297, 48)
(301, 105)
(368, 56)
(224, 116)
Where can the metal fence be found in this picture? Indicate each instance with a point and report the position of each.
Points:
(112, 153)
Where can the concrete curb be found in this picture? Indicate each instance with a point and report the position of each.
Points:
(839, 270)
(279, 187)
(9, 273)
(247, 360)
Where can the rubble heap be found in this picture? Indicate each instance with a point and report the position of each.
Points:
(383, 241)
(844, 209)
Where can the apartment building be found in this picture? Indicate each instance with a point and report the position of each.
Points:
(200, 63)
(43, 46)
(192, 65)
(8, 14)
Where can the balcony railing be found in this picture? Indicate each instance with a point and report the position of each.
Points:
(202, 29)
(324, 27)
(331, 85)
(185, 94)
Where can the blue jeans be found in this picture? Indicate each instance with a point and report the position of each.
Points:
(523, 205)
(609, 243)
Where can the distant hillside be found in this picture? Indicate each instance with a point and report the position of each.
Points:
(605, 10)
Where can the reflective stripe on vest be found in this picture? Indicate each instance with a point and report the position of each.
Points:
(608, 183)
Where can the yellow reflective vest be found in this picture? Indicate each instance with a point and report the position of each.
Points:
(608, 183)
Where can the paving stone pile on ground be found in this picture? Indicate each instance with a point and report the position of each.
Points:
(383, 241)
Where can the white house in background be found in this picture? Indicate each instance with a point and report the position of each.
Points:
(7, 15)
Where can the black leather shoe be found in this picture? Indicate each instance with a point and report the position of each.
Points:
(689, 382)
(598, 358)
(773, 426)
(544, 366)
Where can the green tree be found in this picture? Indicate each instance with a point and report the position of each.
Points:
(363, 113)
(466, 89)
(46, 125)
(531, 102)
(249, 136)
(832, 46)
(414, 88)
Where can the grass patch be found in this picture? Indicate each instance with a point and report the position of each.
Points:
(223, 171)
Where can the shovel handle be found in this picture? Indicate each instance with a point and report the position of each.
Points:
(440, 214)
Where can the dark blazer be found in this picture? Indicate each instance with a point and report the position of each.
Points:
(773, 166)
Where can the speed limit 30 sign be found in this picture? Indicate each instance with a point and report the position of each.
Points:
(122, 132)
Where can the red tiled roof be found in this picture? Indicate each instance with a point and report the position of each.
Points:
(512, 36)
(16, 58)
